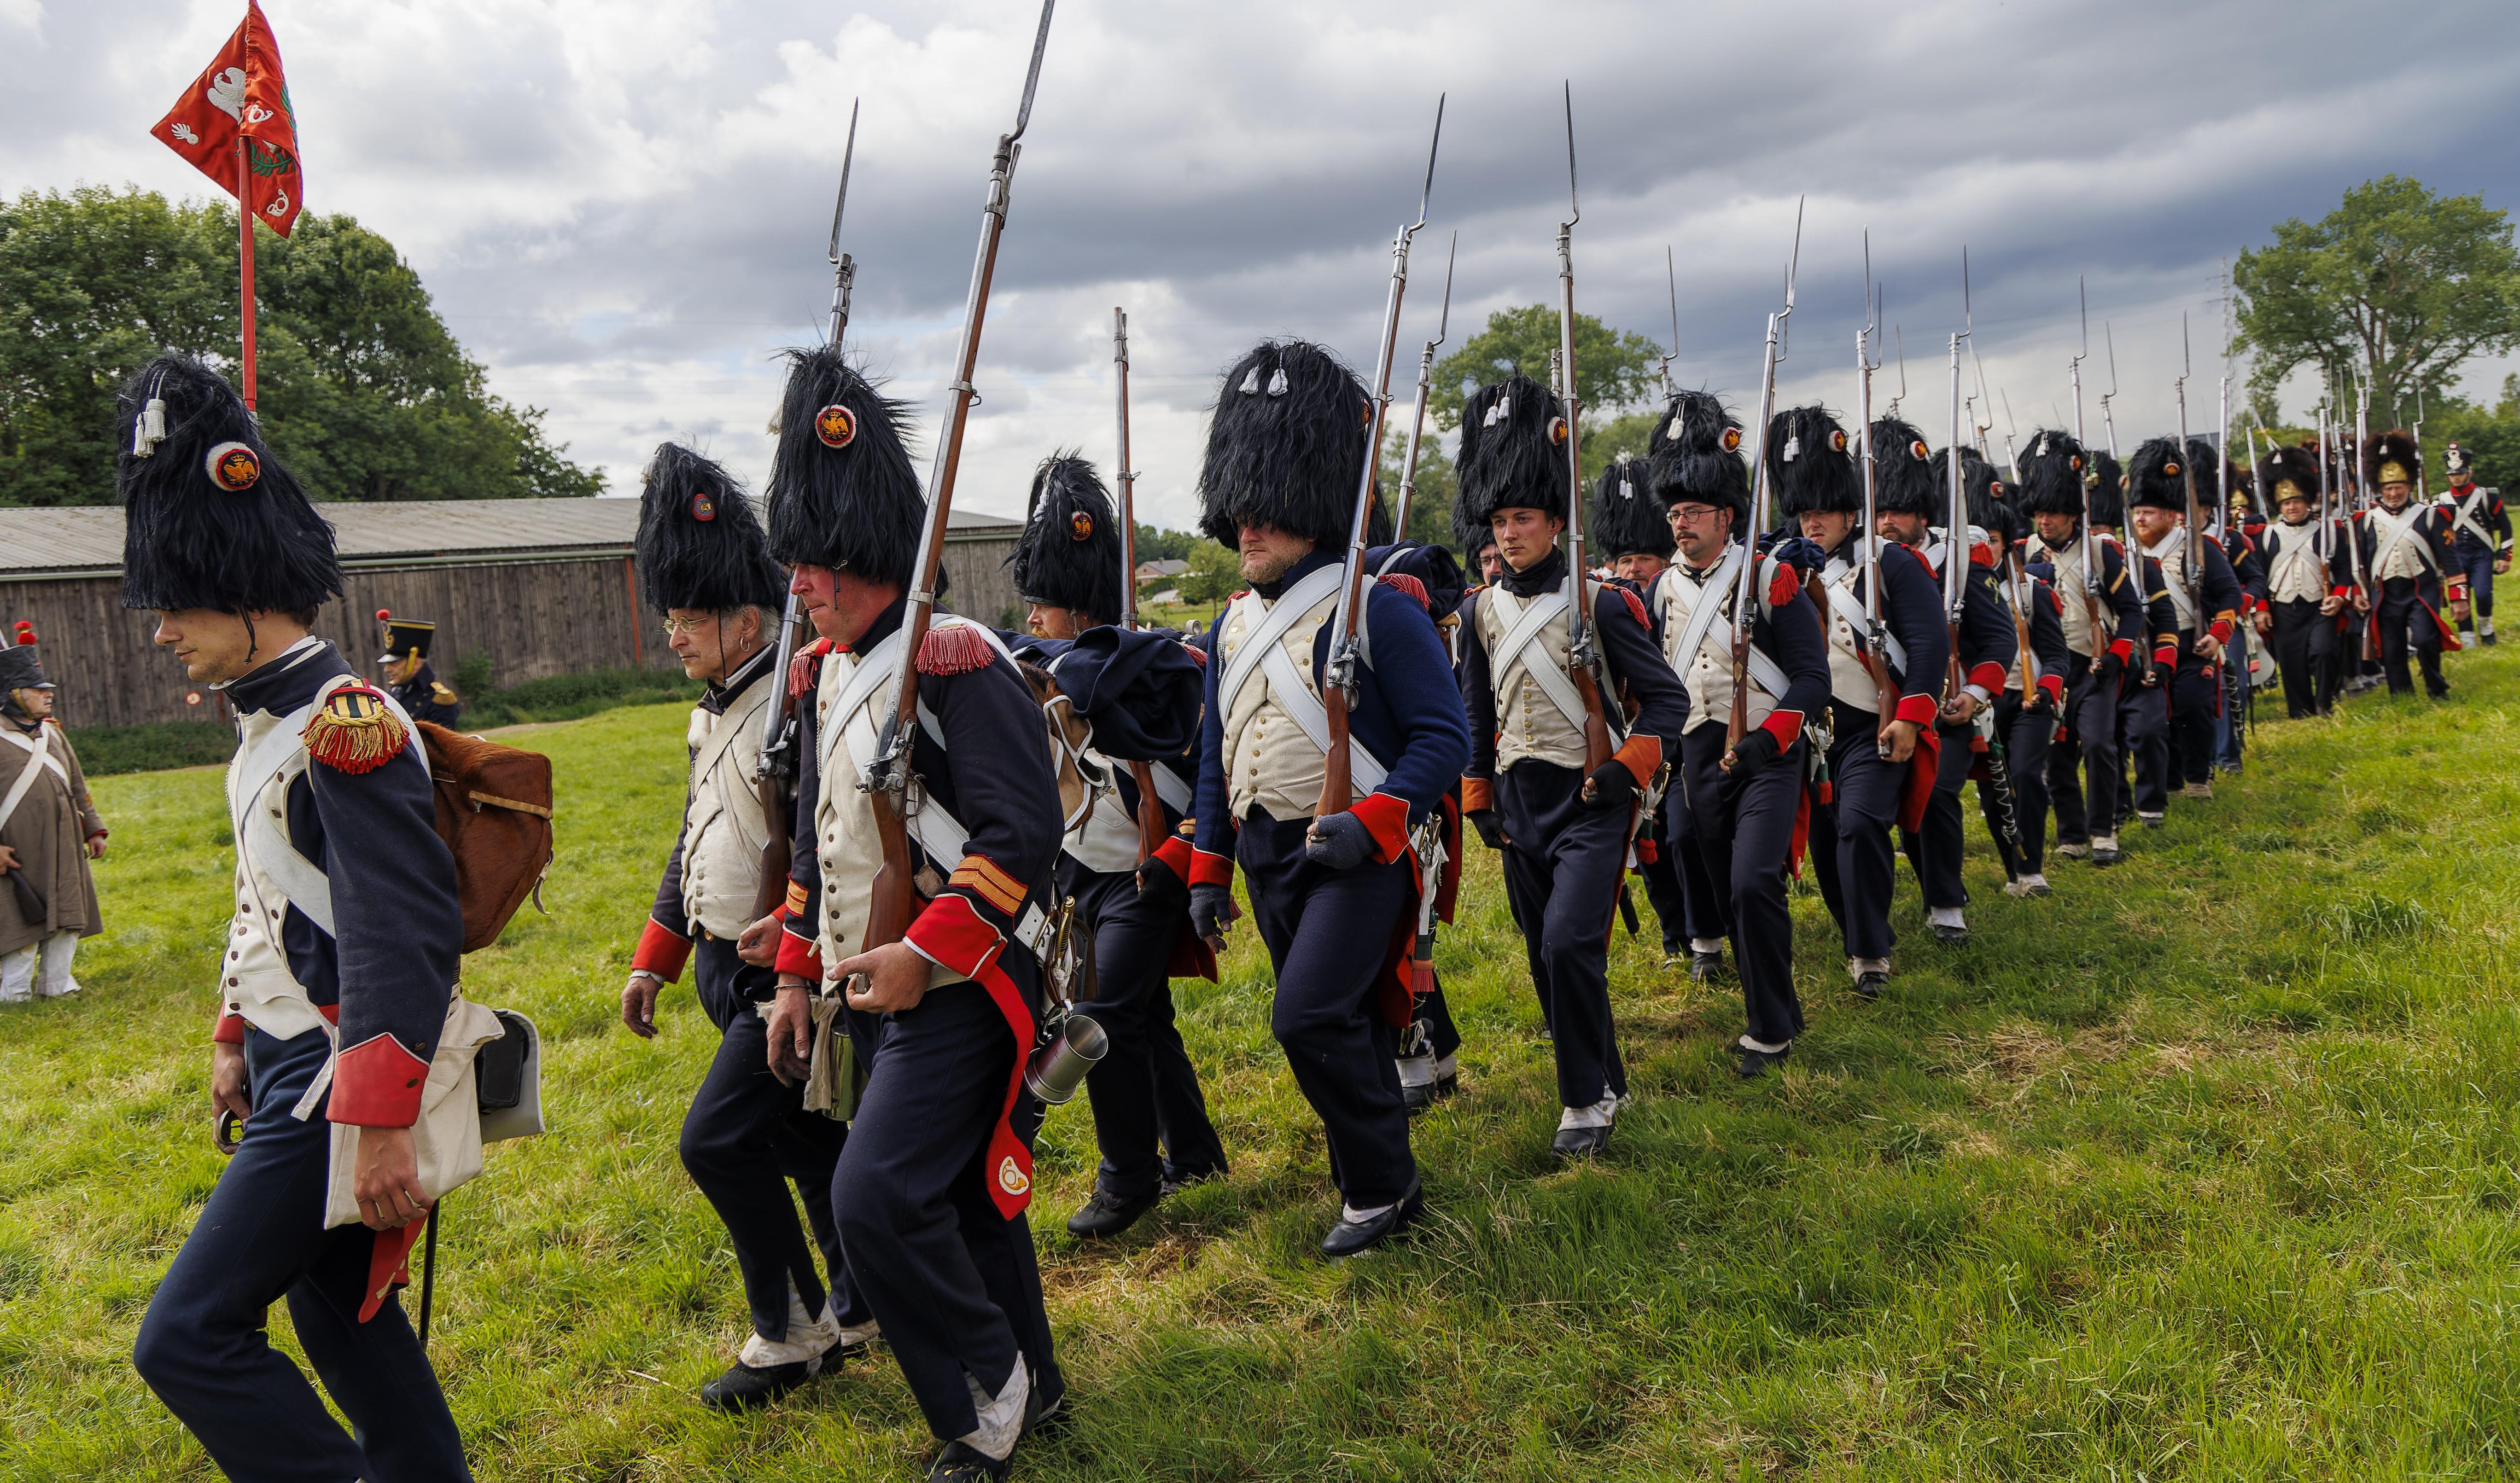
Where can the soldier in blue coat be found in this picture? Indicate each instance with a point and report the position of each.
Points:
(1332, 892)
(2480, 536)
(2205, 600)
(406, 669)
(335, 984)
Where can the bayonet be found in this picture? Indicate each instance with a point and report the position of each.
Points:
(1671, 281)
(1425, 388)
(1744, 595)
(845, 268)
(1580, 656)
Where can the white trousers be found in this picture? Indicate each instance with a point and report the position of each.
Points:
(39, 969)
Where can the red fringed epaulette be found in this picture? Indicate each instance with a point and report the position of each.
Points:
(1981, 555)
(1408, 586)
(1782, 587)
(953, 648)
(2055, 601)
(800, 669)
(1197, 656)
(1636, 605)
(355, 731)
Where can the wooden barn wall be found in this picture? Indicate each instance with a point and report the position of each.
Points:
(979, 585)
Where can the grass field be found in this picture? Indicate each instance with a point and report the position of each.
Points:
(2205, 1167)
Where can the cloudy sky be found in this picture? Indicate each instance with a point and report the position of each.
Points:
(621, 208)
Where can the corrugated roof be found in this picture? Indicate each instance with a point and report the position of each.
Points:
(85, 539)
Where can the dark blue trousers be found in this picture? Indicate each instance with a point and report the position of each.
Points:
(1149, 1119)
(1935, 849)
(2195, 695)
(2479, 566)
(1327, 931)
(1664, 888)
(1563, 863)
(952, 1281)
(2144, 738)
(1741, 853)
(203, 1348)
(2091, 713)
(2309, 656)
(747, 1136)
(1850, 836)
(2403, 625)
(2027, 731)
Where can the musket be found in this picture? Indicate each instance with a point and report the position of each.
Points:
(1956, 514)
(2015, 563)
(1339, 674)
(887, 779)
(2090, 542)
(2135, 558)
(1150, 808)
(2424, 490)
(1425, 388)
(1876, 638)
(775, 773)
(1744, 585)
(1579, 618)
(2195, 562)
(2363, 575)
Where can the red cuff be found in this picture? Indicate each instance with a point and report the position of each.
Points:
(1386, 819)
(661, 951)
(2122, 649)
(1784, 725)
(1210, 870)
(1642, 754)
(2055, 687)
(2221, 630)
(376, 1084)
(1988, 677)
(2164, 653)
(230, 1030)
(1175, 853)
(1917, 708)
(2340, 589)
(798, 956)
(1477, 794)
(951, 933)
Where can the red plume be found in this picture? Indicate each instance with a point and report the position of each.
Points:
(26, 631)
(385, 616)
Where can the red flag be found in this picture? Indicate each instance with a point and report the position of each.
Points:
(242, 94)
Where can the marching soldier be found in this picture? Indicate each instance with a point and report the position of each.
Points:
(1625, 523)
(1881, 753)
(405, 664)
(2025, 723)
(2409, 563)
(2104, 618)
(1138, 692)
(2307, 584)
(49, 832)
(2240, 548)
(338, 977)
(2206, 618)
(932, 1184)
(1332, 897)
(1911, 488)
(704, 561)
(1735, 812)
(1563, 832)
(2480, 528)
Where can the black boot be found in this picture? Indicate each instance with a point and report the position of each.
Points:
(1348, 1237)
(1106, 1214)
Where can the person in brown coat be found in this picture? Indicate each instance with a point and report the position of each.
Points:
(49, 832)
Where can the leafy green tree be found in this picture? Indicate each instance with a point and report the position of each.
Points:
(1431, 503)
(1615, 369)
(2396, 284)
(1155, 545)
(1214, 571)
(2489, 435)
(363, 391)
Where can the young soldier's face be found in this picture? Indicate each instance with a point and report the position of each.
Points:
(1525, 536)
(2054, 529)
(213, 647)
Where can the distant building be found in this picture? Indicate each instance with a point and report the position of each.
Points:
(544, 587)
(1160, 571)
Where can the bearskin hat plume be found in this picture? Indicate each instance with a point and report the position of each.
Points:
(1285, 446)
(1696, 453)
(2291, 472)
(1069, 554)
(210, 518)
(1810, 460)
(2052, 475)
(1625, 516)
(1907, 477)
(2390, 458)
(699, 544)
(843, 491)
(1514, 451)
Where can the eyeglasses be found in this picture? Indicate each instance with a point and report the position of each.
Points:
(1693, 514)
(674, 626)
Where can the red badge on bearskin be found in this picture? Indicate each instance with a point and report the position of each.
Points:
(232, 466)
(1732, 439)
(835, 426)
(703, 507)
(1080, 526)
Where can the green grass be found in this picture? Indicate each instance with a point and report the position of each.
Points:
(2203, 1168)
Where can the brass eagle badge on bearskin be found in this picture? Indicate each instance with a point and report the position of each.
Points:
(355, 731)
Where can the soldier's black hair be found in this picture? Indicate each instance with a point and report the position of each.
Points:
(1625, 517)
(858, 506)
(1811, 464)
(190, 543)
(1285, 446)
(1069, 554)
(719, 562)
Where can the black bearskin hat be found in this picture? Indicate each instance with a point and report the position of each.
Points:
(210, 518)
(1696, 453)
(1807, 457)
(2159, 477)
(1907, 477)
(2456, 462)
(20, 667)
(1377, 524)
(1069, 554)
(842, 493)
(699, 543)
(1514, 451)
(1625, 516)
(2052, 475)
(2291, 472)
(2390, 458)
(1980, 489)
(1285, 446)
(2107, 483)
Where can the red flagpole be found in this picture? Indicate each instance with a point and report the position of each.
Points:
(244, 259)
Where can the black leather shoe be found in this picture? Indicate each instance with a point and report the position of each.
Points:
(1348, 1237)
(1420, 1095)
(1869, 986)
(1104, 1214)
(1573, 1144)
(1175, 1185)
(1949, 936)
(1705, 968)
(744, 1388)
(958, 1462)
(1755, 1064)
